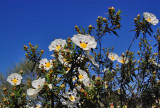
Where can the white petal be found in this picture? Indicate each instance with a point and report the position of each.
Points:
(50, 86)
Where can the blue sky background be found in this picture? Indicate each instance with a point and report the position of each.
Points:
(41, 21)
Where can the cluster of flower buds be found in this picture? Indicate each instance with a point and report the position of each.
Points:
(111, 10)
(6, 101)
(32, 52)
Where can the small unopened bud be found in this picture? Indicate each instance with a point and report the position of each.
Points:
(138, 16)
(42, 51)
(85, 93)
(154, 72)
(117, 68)
(135, 19)
(112, 8)
(76, 26)
(99, 17)
(12, 94)
(76, 84)
(30, 44)
(111, 105)
(159, 38)
(21, 71)
(4, 89)
(90, 27)
(62, 86)
(98, 78)
(117, 65)
(4, 99)
(26, 55)
(82, 90)
(25, 47)
(122, 54)
(104, 20)
(24, 95)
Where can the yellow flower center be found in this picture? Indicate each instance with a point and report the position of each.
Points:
(73, 79)
(48, 65)
(112, 58)
(122, 61)
(65, 60)
(72, 98)
(83, 45)
(80, 76)
(149, 19)
(58, 47)
(15, 81)
(106, 86)
(68, 69)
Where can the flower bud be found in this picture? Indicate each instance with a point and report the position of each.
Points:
(117, 65)
(85, 93)
(76, 84)
(42, 51)
(99, 17)
(98, 78)
(138, 16)
(26, 55)
(30, 44)
(158, 38)
(154, 72)
(4, 99)
(90, 27)
(24, 95)
(82, 90)
(76, 26)
(111, 105)
(12, 94)
(62, 86)
(4, 89)
(104, 20)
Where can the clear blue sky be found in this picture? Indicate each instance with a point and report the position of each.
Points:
(41, 21)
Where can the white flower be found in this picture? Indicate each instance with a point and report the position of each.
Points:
(88, 83)
(112, 56)
(38, 106)
(72, 99)
(50, 86)
(91, 59)
(57, 44)
(38, 85)
(123, 60)
(151, 18)
(14, 79)
(47, 64)
(63, 60)
(86, 42)
(82, 75)
(105, 70)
